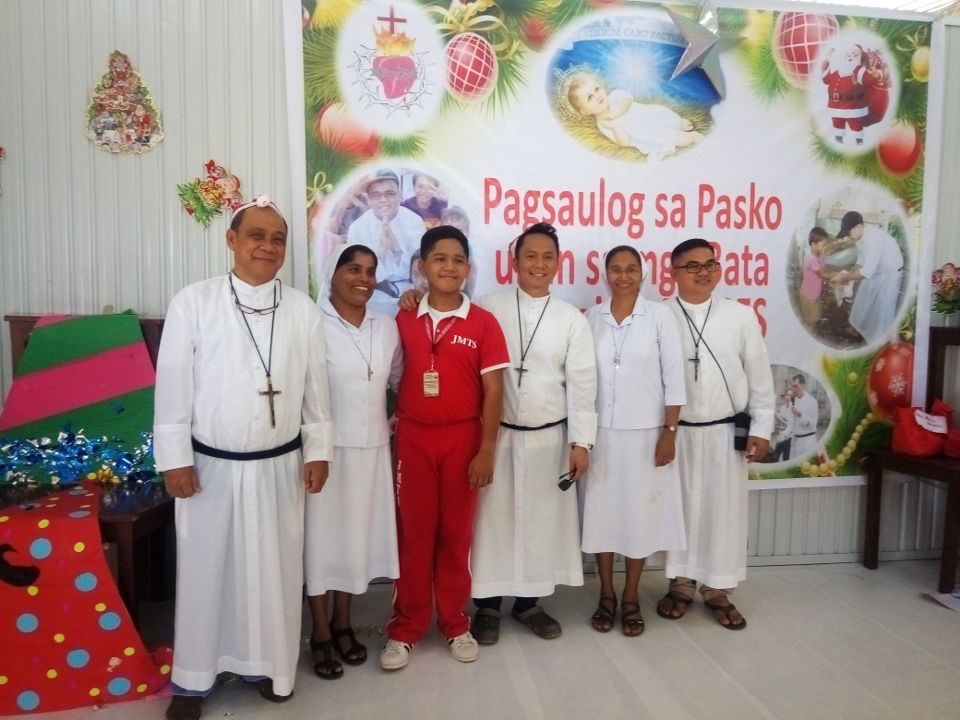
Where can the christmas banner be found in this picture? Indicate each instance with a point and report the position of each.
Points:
(791, 140)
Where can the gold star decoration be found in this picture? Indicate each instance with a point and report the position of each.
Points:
(704, 46)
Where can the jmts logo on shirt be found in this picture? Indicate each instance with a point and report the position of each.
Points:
(460, 340)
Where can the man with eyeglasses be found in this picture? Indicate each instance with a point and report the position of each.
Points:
(241, 428)
(726, 372)
(393, 232)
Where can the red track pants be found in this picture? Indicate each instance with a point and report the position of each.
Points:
(435, 508)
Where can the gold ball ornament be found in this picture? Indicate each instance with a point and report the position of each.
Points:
(920, 64)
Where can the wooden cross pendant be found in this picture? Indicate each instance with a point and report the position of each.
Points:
(696, 365)
(520, 371)
(270, 392)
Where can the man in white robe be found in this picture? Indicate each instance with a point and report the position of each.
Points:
(726, 372)
(526, 534)
(241, 428)
(805, 414)
(878, 268)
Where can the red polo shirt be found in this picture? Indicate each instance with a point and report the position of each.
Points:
(472, 346)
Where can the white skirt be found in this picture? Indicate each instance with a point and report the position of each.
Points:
(630, 506)
(351, 525)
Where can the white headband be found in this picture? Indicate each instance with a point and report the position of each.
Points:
(261, 201)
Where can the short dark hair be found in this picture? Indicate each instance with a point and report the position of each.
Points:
(540, 228)
(799, 378)
(623, 248)
(688, 245)
(237, 219)
(442, 232)
(350, 253)
(817, 234)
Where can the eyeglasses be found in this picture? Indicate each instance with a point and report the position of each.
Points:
(711, 266)
(385, 195)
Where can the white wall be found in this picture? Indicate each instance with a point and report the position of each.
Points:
(81, 229)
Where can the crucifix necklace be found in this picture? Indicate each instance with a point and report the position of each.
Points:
(697, 338)
(368, 359)
(523, 352)
(618, 347)
(247, 310)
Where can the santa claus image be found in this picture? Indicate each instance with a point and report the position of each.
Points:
(845, 74)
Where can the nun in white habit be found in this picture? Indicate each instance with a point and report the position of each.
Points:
(350, 529)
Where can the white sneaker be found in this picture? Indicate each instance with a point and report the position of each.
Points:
(464, 647)
(395, 655)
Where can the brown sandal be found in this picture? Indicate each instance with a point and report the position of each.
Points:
(631, 621)
(677, 600)
(726, 608)
(602, 619)
(355, 653)
(323, 663)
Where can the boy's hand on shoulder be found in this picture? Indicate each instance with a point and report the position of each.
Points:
(410, 299)
(480, 472)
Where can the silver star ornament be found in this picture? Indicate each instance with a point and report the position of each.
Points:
(704, 46)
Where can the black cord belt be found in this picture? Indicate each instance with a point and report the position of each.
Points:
(288, 447)
(526, 428)
(687, 423)
(805, 435)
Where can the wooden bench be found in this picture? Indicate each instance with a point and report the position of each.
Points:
(939, 469)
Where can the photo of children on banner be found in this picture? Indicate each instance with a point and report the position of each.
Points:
(847, 286)
(801, 415)
(429, 199)
(855, 90)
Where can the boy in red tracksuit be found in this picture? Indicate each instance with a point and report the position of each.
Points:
(448, 416)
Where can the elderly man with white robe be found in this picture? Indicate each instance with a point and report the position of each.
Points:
(526, 534)
(241, 428)
(726, 373)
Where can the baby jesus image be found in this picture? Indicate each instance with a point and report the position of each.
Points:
(655, 130)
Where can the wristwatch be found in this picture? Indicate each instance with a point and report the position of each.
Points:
(671, 428)
(586, 446)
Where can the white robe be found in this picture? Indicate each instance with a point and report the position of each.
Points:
(805, 422)
(875, 304)
(630, 506)
(526, 536)
(240, 540)
(712, 473)
(351, 527)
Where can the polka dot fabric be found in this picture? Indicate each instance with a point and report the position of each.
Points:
(68, 640)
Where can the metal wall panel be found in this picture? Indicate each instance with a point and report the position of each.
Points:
(82, 229)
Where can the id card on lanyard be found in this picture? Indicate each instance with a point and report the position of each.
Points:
(431, 378)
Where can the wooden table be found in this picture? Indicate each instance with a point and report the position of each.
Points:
(939, 469)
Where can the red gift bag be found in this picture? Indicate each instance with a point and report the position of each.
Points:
(913, 433)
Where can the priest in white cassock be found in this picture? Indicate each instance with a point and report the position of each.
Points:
(805, 412)
(241, 428)
(526, 533)
(726, 372)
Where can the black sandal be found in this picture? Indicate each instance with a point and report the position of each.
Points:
(355, 654)
(602, 619)
(323, 663)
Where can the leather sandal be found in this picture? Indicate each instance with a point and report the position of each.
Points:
(356, 653)
(631, 621)
(678, 600)
(323, 663)
(485, 627)
(602, 619)
(726, 608)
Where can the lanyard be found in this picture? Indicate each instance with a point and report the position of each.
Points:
(435, 341)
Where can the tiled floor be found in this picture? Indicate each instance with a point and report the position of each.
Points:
(824, 641)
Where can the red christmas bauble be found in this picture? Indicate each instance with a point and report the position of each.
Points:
(797, 39)
(898, 152)
(890, 382)
(335, 127)
(535, 32)
(471, 67)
